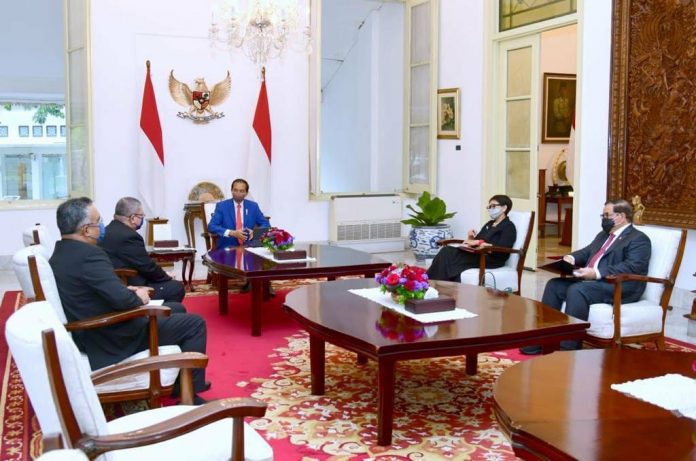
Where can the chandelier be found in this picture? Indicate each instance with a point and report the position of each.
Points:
(264, 31)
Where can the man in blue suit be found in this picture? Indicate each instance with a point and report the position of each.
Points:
(224, 222)
(619, 248)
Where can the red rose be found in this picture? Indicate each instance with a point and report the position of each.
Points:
(410, 285)
(392, 279)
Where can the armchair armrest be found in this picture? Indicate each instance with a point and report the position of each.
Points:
(124, 274)
(444, 242)
(236, 408)
(619, 278)
(117, 317)
(159, 362)
(496, 249)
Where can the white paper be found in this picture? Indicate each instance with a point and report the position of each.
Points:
(266, 253)
(156, 302)
(161, 232)
(385, 299)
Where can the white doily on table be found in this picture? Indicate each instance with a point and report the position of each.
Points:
(672, 392)
(266, 253)
(385, 299)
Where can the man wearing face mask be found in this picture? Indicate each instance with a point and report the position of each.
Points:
(126, 249)
(450, 262)
(619, 248)
(88, 287)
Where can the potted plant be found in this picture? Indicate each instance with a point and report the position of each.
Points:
(427, 225)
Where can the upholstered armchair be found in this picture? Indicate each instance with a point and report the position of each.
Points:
(38, 283)
(38, 234)
(62, 392)
(644, 320)
(509, 276)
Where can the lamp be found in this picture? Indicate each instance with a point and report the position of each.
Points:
(264, 32)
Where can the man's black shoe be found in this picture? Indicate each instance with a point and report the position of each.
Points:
(197, 400)
(530, 350)
(569, 345)
(206, 386)
(245, 288)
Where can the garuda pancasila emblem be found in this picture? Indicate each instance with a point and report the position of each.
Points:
(200, 100)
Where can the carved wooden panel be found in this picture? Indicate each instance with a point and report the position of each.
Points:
(653, 108)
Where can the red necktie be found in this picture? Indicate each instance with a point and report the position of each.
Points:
(601, 251)
(239, 222)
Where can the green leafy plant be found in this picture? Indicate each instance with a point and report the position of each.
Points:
(433, 211)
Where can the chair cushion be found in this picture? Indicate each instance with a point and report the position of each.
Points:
(521, 221)
(67, 454)
(20, 265)
(45, 237)
(503, 278)
(639, 318)
(141, 380)
(664, 242)
(211, 442)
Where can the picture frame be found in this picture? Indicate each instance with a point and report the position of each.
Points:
(448, 117)
(558, 107)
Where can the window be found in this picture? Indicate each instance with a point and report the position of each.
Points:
(32, 168)
(62, 131)
(4, 131)
(516, 13)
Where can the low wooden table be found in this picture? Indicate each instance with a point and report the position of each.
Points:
(185, 255)
(561, 406)
(330, 261)
(330, 313)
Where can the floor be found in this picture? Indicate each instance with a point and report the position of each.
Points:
(533, 283)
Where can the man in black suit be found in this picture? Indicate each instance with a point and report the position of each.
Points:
(126, 248)
(619, 248)
(88, 287)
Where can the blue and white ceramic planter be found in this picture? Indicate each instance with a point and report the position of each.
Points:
(424, 240)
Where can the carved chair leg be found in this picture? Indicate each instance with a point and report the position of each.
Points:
(660, 343)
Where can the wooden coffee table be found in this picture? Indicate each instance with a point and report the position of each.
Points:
(561, 406)
(330, 262)
(330, 313)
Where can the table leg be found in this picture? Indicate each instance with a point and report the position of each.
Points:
(385, 405)
(471, 364)
(361, 359)
(256, 306)
(317, 348)
(192, 260)
(222, 294)
(188, 225)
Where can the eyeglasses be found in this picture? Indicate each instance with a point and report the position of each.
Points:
(493, 205)
(607, 215)
(141, 216)
(94, 224)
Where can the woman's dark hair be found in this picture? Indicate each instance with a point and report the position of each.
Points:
(503, 200)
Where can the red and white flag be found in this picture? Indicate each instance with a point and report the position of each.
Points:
(151, 163)
(259, 162)
(570, 157)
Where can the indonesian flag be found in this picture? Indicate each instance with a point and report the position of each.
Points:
(570, 157)
(151, 168)
(259, 164)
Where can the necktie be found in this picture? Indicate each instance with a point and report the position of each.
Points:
(239, 221)
(595, 258)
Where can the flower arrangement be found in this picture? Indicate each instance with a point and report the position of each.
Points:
(393, 325)
(403, 282)
(276, 239)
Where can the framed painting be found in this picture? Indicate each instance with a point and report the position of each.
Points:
(448, 116)
(558, 107)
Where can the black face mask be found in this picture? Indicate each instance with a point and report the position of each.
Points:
(607, 224)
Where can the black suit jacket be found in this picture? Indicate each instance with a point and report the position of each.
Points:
(630, 254)
(88, 287)
(502, 235)
(126, 248)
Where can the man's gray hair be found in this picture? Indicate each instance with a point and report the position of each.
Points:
(127, 206)
(72, 214)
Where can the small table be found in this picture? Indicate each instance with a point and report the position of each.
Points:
(564, 232)
(561, 406)
(193, 211)
(329, 261)
(185, 255)
(330, 313)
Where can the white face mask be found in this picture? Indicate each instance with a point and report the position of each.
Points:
(495, 212)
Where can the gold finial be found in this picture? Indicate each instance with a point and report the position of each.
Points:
(147, 64)
(638, 209)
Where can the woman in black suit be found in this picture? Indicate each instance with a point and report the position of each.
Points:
(450, 261)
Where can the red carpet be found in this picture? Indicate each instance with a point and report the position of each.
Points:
(443, 416)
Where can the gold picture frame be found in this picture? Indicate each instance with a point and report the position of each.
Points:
(448, 116)
(558, 107)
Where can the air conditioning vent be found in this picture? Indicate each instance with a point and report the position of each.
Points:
(368, 223)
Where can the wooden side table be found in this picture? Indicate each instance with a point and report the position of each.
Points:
(192, 211)
(185, 255)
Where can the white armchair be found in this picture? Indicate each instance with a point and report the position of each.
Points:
(38, 234)
(66, 403)
(38, 282)
(509, 276)
(643, 320)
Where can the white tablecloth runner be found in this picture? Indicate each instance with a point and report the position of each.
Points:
(672, 392)
(265, 253)
(385, 299)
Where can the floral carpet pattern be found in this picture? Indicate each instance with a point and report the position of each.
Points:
(440, 412)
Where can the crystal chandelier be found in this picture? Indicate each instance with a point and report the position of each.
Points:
(264, 31)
